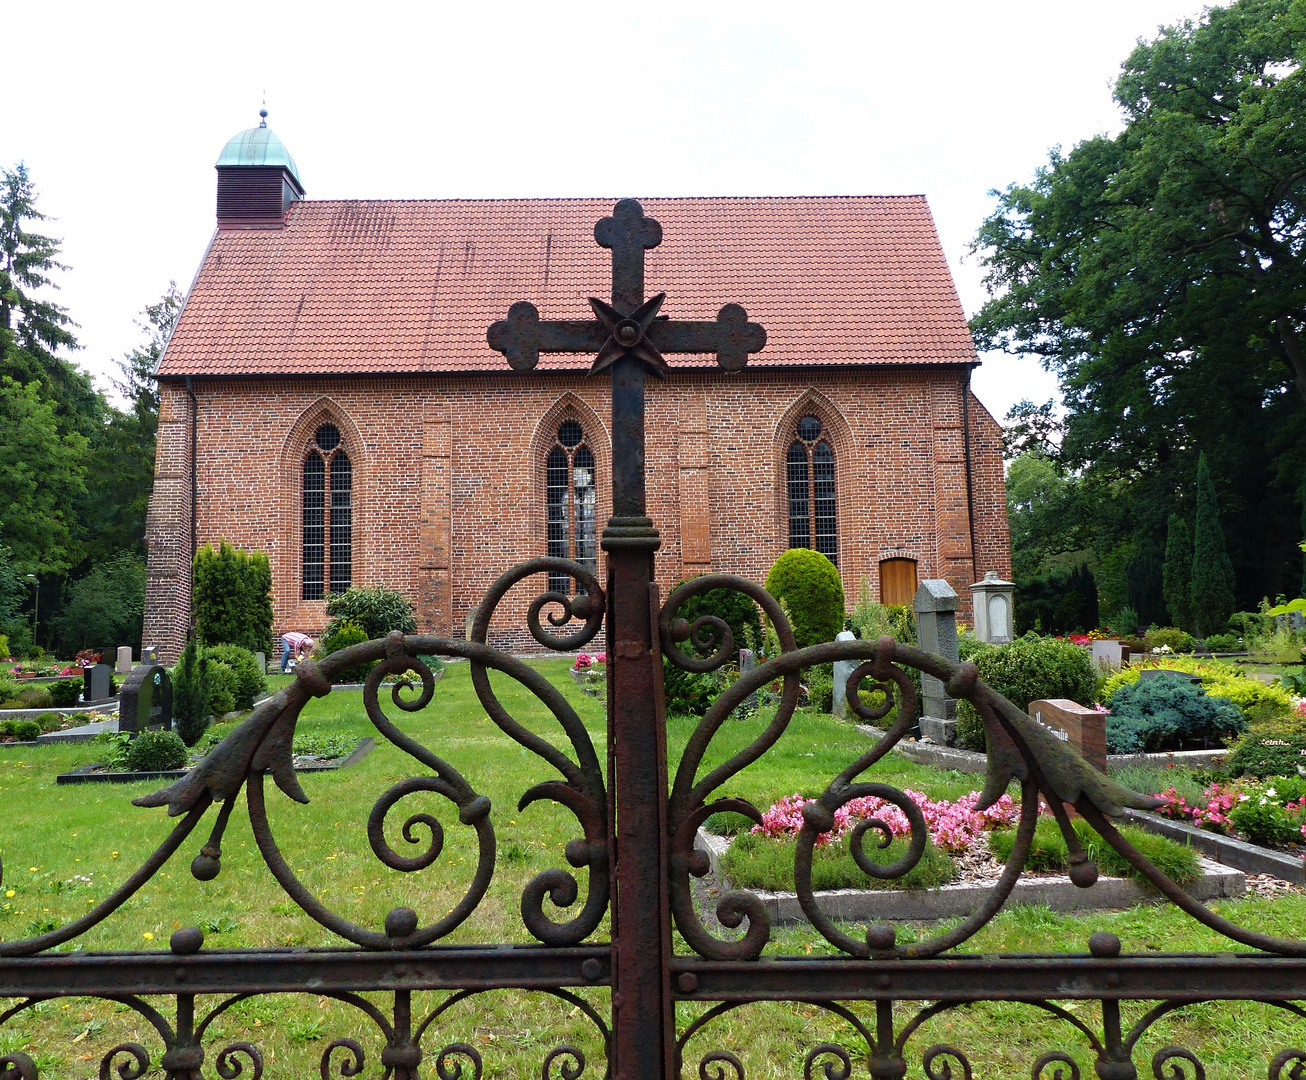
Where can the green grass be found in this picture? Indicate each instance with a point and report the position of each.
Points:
(1049, 850)
(64, 848)
(763, 862)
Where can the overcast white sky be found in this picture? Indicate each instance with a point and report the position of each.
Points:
(120, 111)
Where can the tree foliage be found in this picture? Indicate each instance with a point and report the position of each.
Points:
(1212, 588)
(1160, 273)
(1177, 575)
(191, 693)
(106, 606)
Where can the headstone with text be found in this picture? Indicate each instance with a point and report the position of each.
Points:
(146, 700)
(936, 605)
(1080, 728)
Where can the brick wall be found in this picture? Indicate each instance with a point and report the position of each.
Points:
(448, 487)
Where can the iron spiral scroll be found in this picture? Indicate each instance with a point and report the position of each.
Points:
(179, 995)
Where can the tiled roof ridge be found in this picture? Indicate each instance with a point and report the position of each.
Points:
(616, 198)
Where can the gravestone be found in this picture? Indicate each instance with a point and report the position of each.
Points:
(993, 604)
(261, 662)
(1107, 653)
(747, 662)
(124, 664)
(1166, 673)
(936, 630)
(149, 655)
(97, 683)
(1083, 730)
(146, 700)
(842, 669)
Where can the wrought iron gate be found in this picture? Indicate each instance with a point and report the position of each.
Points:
(637, 823)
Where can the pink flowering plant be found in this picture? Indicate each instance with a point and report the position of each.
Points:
(953, 826)
(584, 661)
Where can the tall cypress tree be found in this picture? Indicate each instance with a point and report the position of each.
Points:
(1211, 595)
(1177, 575)
(1303, 530)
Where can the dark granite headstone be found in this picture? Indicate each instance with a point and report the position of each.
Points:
(149, 655)
(97, 683)
(146, 700)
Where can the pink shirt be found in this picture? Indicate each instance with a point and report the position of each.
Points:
(297, 642)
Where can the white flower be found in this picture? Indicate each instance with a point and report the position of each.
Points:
(1263, 801)
(1243, 798)
(1271, 792)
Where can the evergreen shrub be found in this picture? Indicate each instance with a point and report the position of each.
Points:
(233, 597)
(1030, 668)
(735, 609)
(1178, 573)
(5, 654)
(190, 693)
(156, 751)
(35, 697)
(1057, 603)
(1169, 636)
(222, 688)
(1211, 596)
(50, 721)
(1269, 750)
(1260, 703)
(65, 692)
(24, 730)
(249, 683)
(1222, 643)
(688, 693)
(374, 608)
(341, 636)
(810, 587)
(1168, 713)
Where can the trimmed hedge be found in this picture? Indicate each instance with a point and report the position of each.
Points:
(811, 589)
(1269, 750)
(1031, 668)
(233, 597)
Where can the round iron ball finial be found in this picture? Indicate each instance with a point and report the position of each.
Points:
(204, 867)
(401, 922)
(1083, 874)
(881, 937)
(186, 941)
(679, 630)
(1104, 945)
(628, 333)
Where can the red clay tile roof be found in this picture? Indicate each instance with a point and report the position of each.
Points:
(404, 287)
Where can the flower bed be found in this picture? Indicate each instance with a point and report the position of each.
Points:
(590, 671)
(1271, 813)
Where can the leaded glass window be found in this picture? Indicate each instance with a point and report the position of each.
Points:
(809, 472)
(327, 522)
(571, 502)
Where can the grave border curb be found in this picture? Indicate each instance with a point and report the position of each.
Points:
(83, 775)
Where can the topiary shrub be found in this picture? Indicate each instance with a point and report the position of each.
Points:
(65, 692)
(1269, 750)
(735, 609)
(1168, 714)
(190, 693)
(810, 587)
(341, 636)
(156, 751)
(1031, 668)
(374, 608)
(249, 682)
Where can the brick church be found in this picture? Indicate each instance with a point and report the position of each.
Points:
(328, 396)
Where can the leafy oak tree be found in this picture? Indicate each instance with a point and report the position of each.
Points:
(1161, 274)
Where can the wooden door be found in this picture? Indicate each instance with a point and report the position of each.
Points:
(898, 581)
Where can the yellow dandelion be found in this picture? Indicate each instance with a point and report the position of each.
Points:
(148, 936)
(34, 869)
(9, 892)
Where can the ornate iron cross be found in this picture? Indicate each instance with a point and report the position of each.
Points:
(629, 337)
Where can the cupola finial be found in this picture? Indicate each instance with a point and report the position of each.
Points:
(263, 112)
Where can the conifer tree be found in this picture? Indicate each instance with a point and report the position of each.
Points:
(1177, 576)
(190, 692)
(1211, 591)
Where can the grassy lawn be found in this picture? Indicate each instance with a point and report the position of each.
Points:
(65, 848)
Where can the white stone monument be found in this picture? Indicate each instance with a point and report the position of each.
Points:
(842, 669)
(994, 611)
(124, 664)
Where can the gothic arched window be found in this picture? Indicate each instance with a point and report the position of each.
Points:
(328, 537)
(571, 500)
(809, 467)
